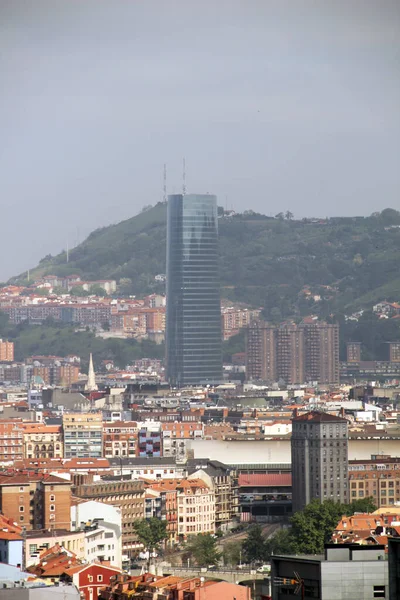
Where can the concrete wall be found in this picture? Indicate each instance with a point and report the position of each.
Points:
(352, 580)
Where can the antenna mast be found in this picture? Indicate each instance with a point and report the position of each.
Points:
(165, 183)
(184, 178)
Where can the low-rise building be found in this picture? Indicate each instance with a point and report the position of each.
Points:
(39, 541)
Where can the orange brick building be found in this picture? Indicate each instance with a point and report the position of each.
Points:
(11, 442)
(36, 501)
(6, 351)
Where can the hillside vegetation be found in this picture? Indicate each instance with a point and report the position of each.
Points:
(288, 267)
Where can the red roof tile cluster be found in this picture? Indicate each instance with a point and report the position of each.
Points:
(316, 416)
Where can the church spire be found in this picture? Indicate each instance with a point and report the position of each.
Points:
(91, 380)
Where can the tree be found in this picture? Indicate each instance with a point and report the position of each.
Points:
(151, 532)
(204, 550)
(78, 290)
(289, 215)
(362, 505)
(280, 543)
(232, 553)
(254, 545)
(313, 526)
(280, 216)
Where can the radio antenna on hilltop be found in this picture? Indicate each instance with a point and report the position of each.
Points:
(165, 183)
(184, 178)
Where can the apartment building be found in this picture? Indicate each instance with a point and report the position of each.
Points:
(353, 352)
(196, 508)
(11, 441)
(175, 436)
(319, 458)
(83, 435)
(378, 478)
(293, 353)
(168, 494)
(129, 496)
(36, 501)
(235, 319)
(42, 441)
(149, 440)
(120, 439)
(6, 351)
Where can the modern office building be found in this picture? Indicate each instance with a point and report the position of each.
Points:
(345, 571)
(319, 458)
(193, 295)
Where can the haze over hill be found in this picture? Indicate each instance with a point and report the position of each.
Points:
(286, 266)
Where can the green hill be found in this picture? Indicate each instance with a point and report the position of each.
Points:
(288, 267)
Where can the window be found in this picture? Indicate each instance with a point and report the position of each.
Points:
(52, 508)
(379, 591)
(99, 577)
(52, 498)
(90, 578)
(21, 509)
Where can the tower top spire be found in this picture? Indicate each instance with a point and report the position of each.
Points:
(91, 385)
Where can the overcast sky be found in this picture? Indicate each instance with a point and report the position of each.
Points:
(276, 105)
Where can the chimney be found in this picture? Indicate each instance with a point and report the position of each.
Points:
(295, 412)
(342, 412)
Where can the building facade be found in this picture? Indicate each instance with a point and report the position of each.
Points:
(83, 435)
(6, 351)
(120, 439)
(378, 478)
(293, 353)
(42, 441)
(193, 296)
(319, 459)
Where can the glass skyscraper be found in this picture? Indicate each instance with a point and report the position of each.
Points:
(194, 353)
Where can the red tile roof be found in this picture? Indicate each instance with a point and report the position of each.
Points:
(316, 416)
(265, 479)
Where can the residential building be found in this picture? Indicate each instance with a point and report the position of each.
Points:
(36, 501)
(378, 478)
(149, 440)
(196, 508)
(175, 436)
(234, 319)
(102, 527)
(38, 541)
(394, 352)
(290, 353)
(168, 503)
(42, 441)
(261, 352)
(6, 351)
(148, 468)
(194, 354)
(224, 483)
(293, 353)
(146, 586)
(321, 352)
(11, 542)
(345, 571)
(129, 496)
(319, 447)
(83, 435)
(120, 439)
(353, 352)
(11, 441)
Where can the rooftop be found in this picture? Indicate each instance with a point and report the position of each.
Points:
(316, 416)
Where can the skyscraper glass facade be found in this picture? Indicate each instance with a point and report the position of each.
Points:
(193, 294)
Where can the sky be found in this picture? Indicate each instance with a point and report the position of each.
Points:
(275, 104)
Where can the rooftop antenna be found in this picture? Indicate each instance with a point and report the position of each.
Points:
(165, 183)
(184, 178)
